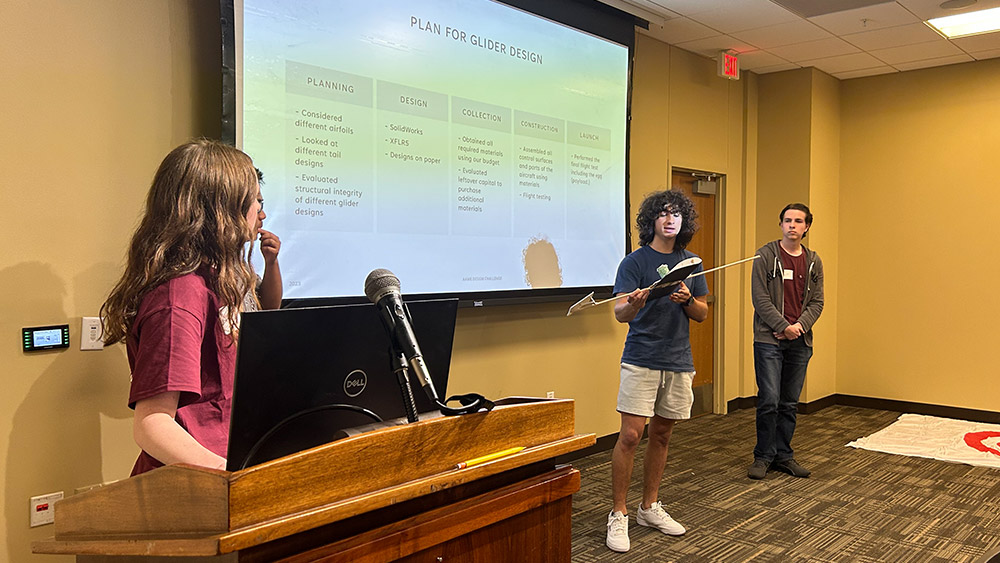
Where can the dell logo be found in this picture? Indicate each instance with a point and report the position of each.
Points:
(355, 383)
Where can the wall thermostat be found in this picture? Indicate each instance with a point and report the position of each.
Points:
(45, 337)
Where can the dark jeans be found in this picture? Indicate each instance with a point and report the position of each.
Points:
(781, 371)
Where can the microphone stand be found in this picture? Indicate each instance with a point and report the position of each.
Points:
(403, 378)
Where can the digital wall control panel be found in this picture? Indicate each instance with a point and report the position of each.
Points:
(45, 337)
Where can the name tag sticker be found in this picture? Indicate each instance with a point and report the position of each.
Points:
(788, 274)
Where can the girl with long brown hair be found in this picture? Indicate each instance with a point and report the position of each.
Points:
(178, 302)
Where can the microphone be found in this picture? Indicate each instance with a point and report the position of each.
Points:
(382, 289)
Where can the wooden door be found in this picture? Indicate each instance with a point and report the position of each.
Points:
(703, 333)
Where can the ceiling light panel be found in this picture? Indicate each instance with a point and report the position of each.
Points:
(969, 23)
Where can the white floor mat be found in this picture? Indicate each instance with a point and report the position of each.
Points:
(946, 439)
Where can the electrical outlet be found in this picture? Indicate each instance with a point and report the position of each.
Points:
(43, 508)
(91, 334)
(550, 394)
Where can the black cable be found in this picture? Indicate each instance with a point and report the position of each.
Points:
(471, 402)
(260, 442)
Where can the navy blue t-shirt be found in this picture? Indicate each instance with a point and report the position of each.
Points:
(658, 336)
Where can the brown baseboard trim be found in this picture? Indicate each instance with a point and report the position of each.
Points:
(740, 403)
(975, 415)
(818, 404)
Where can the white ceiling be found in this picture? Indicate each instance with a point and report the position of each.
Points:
(842, 40)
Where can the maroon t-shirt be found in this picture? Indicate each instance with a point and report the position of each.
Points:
(794, 287)
(177, 343)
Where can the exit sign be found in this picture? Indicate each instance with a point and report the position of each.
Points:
(729, 65)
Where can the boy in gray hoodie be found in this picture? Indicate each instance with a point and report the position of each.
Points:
(787, 293)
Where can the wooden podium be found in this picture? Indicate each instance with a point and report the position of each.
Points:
(392, 494)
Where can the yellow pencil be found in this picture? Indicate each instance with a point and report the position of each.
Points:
(488, 457)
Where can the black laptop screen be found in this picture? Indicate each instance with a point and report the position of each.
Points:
(304, 375)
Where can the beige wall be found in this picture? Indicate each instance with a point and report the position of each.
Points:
(94, 94)
(899, 172)
(745, 238)
(707, 131)
(783, 135)
(919, 199)
(799, 161)
(823, 201)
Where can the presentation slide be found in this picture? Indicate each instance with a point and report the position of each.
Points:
(465, 145)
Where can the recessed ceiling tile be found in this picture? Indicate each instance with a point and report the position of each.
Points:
(776, 68)
(683, 7)
(941, 61)
(739, 15)
(760, 59)
(865, 72)
(868, 18)
(710, 46)
(918, 52)
(983, 55)
(655, 32)
(983, 42)
(797, 31)
(679, 30)
(810, 8)
(650, 12)
(844, 63)
(814, 50)
(927, 9)
(892, 36)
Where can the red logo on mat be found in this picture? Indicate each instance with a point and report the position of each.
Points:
(976, 439)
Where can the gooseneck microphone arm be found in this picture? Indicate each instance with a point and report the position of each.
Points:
(398, 361)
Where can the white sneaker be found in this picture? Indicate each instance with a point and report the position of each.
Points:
(656, 517)
(618, 532)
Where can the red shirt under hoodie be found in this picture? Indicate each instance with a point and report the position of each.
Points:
(794, 287)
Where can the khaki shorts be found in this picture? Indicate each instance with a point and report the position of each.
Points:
(644, 392)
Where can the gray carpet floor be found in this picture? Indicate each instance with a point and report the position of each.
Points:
(857, 505)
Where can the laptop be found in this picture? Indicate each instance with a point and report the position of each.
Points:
(305, 376)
